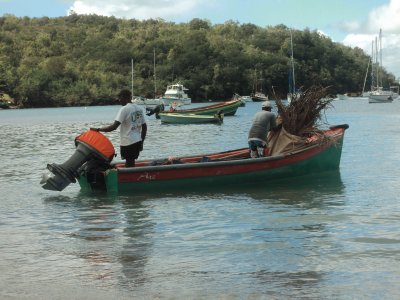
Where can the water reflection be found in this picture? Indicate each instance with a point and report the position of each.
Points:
(311, 190)
(301, 284)
(129, 240)
(137, 245)
(87, 228)
(106, 229)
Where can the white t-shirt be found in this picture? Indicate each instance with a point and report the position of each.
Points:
(131, 118)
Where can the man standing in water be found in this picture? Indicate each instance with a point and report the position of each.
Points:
(133, 128)
(263, 122)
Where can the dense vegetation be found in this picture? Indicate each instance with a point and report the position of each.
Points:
(86, 59)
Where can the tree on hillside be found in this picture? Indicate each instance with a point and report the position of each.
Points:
(86, 59)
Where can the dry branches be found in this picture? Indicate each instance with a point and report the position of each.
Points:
(304, 111)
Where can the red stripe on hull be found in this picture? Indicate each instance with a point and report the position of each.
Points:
(200, 170)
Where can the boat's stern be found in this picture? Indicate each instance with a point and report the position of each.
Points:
(93, 151)
(92, 179)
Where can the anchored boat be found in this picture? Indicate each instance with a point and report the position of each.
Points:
(176, 93)
(176, 118)
(228, 108)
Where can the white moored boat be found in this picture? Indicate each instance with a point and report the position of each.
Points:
(176, 93)
(246, 98)
(139, 100)
(379, 95)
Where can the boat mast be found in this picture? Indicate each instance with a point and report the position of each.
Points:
(292, 62)
(255, 82)
(380, 54)
(132, 77)
(154, 67)
(366, 74)
(372, 67)
(376, 63)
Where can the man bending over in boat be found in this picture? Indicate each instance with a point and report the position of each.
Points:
(133, 128)
(263, 122)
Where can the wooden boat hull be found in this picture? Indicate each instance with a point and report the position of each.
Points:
(228, 108)
(222, 169)
(189, 118)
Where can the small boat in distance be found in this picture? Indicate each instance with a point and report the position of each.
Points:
(228, 108)
(379, 95)
(176, 93)
(176, 118)
(258, 95)
(246, 98)
(139, 100)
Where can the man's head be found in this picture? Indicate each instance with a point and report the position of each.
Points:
(266, 105)
(124, 96)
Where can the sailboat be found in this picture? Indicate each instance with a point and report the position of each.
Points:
(258, 95)
(379, 95)
(146, 101)
(367, 93)
(292, 82)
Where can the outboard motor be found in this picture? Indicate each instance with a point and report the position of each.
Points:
(91, 145)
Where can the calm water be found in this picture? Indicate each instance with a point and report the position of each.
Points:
(331, 236)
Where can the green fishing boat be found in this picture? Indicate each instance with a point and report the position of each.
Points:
(228, 108)
(91, 166)
(177, 118)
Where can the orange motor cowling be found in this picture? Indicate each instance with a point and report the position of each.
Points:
(91, 145)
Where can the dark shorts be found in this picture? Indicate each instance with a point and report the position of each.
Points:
(254, 144)
(131, 151)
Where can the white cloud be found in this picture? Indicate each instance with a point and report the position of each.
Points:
(390, 49)
(387, 18)
(136, 9)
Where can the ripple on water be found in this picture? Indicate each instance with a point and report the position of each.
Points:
(332, 235)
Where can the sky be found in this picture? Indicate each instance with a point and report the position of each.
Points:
(355, 23)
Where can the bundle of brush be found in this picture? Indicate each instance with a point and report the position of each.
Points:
(302, 115)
